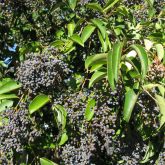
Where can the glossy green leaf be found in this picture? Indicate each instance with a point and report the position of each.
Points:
(72, 4)
(95, 6)
(9, 86)
(71, 27)
(95, 59)
(116, 57)
(110, 72)
(98, 75)
(160, 51)
(130, 101)
(109, 5)
(103, 42)
(161, 104)
(45, 161)
(5, 104)
(76, 38)
(38, 102)
(143, 58)
(64, 139)
(87, 31)
(96, 67)
(89, 111)
(8, 96)
(100, 25)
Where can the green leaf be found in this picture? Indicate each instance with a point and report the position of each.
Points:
(96, 67)
(109, 5)
(71, 27)
(103, 42)
(130, 101)
(61, 115)
(161, 104)
(8, 96)
(76, 38)
(57, 43)
(5, 104)
(9, 86)
(95, 59)
(87, 31)
(116, 57)
(110, 72)
(98, 75)
(143, 58)
(38, 102)
(64, 139)
(72, 4)
(45, 161)
(95, 6)
(149, 153)
(89, 111)
(160, 51)
(100, 25)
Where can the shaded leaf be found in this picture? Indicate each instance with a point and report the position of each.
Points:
(161, 104)
(116, 57)
(110, 72)
(8, 96)
(38, 102)
(130, 101)
(98, 75)
(61, 115)
(143, 58)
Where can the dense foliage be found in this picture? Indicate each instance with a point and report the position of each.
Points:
(82, 82)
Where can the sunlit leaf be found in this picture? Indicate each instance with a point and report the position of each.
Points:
(63, 139)
(8, 96)
(87, 31)
(38, 102)
(95, 6)
(160, 51)
(72, 4)
(89, 111)
(45, 161)
(95, 59)
(100, 25)
(71, 27)
(76, 38)
(9, 86)
(5, 104)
